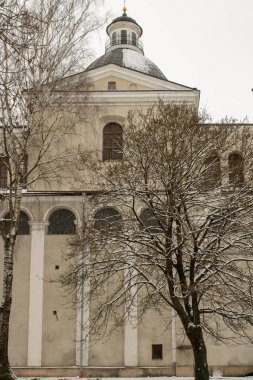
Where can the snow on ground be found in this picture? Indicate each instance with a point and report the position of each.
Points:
(137, 378)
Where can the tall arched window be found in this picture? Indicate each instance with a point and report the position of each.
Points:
(123, 36)
(114, 38)
(107, 218)
(62, 222)
(211, 178)
(153, 222)
(235, 165)
(3, 173)
(112, 142)
(23, 226)
(134, 41)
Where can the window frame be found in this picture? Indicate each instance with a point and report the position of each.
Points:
(134, 39)
(23, 225)
(149, 221)
(123, 36)
(211, 176)
(235, 169)
(54, 231)
(114, 38)
(112, 138)
(157, 348)
(101, 224)
(112, 86)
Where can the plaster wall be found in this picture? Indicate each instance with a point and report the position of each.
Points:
(107, 346)
(153, 330)
(121, 84)
(59, 318)
(19, 311)
(108, 351)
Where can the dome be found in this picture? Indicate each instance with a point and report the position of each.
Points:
(129, 59)
(124, 17)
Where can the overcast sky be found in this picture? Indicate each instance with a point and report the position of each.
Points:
(206, 44)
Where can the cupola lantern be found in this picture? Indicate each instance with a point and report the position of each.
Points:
(124, 32)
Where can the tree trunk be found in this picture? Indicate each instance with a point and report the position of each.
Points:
(199, 352)
(5, 307)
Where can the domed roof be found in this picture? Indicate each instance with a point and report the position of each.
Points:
(124, 17)
(129, 59)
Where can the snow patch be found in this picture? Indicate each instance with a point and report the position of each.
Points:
(135, 61)
(217, 373)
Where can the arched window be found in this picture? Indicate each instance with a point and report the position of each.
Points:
(112, 142)
(222, 220)
(235, 165)
(107, 218)
(212, 173)
(23, 226)
(62, 222)
(3, 173)
(114, 38)
(151, 221)
(123, 36)
(134, 39)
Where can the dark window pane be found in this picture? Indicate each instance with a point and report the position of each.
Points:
(114, 38)
(211, 177)
(112, 142)
(223, 220)
(3, 173)
(111, 86)
(152, 221)
(107, 218)
(123, 36)
(62, 222)
(235, 164)
(133, 38)
(157, 351)
(23, 226)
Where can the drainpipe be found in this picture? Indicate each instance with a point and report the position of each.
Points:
(82, 292)
(173, 342)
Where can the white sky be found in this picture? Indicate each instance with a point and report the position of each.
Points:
(206, 44)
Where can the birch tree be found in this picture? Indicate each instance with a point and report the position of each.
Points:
(180, 235)
(40, 43)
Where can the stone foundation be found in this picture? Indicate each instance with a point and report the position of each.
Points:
(95, 372)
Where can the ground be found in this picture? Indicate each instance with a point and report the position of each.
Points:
(140, 378)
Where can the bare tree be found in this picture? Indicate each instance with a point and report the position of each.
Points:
(183, 236)
(41, 42)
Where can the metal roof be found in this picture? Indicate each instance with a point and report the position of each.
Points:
(129, 59)
(123, 18)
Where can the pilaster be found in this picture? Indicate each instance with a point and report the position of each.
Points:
(36, 293)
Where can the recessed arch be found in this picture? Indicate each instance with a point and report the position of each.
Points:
(152, 221)
(61, 206)
(211, 176)
(62, 221)
(112, 142)
(107, 218)
(23, 225)
(22, 208)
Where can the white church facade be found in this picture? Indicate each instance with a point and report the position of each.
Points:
(45, 330)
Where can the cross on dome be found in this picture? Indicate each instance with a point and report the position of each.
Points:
(124, 9)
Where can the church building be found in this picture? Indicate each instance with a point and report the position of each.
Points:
(45, 331)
